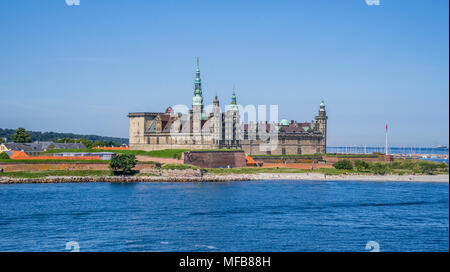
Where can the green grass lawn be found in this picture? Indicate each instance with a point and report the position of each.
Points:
(165, 153)
(410, 167)
(402, 166)
(398, 167)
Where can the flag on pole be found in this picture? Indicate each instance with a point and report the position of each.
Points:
(386, 148)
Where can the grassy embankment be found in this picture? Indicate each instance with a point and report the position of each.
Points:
(168, 153)
(414, 167)
(174, 153)
(85, 173)
(56, 173)
(398, 167)
(165, 153)
(10, 161)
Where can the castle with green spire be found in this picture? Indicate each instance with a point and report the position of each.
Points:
(197, 129)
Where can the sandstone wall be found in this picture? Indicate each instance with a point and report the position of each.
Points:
(306, 145)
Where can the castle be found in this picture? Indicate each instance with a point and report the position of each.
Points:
(196, 129)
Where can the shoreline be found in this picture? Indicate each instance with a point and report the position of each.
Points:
(318, 176)
(229, 178)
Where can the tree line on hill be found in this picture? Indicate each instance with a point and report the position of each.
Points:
(21, 135)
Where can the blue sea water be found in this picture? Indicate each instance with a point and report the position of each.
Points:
(233, 216)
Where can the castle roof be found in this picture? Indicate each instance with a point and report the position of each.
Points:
(42, 146)
(27, 147)
(167, 120)
(295, 127)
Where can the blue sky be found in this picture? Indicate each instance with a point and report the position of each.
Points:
(81, 69)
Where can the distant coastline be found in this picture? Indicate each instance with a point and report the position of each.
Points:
(228, 178)
(53, 136)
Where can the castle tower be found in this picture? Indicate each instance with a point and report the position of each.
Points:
(232, 123)
(197, 103)
(216, 101)
(322, 123)
(233, 104)
(217, 121)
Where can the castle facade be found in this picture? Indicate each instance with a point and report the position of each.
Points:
(196, 129)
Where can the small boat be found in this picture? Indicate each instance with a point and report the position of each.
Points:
(441, 147)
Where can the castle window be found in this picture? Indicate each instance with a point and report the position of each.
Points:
(283, 151)
(299, 150)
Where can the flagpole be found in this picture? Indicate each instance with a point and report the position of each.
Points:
(386, 148)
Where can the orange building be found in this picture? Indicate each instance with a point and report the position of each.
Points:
(20, 155)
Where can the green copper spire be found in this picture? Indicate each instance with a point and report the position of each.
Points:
(197, 99)
(198, 81)
(284, 122)
(233, 104)
(233, 98)
(322, 104)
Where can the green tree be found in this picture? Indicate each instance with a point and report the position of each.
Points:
(123, 164)
(99, 143)
(87, 143)
(344, 165)
(110, 143)
(21, 136)
(2, 140)
(361, 165)
(4, 156)
(65, 140)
